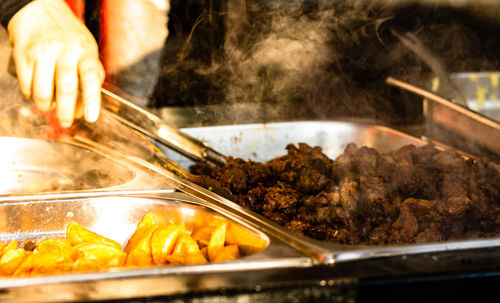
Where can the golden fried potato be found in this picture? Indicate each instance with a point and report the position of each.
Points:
(43, 263)
(11, 259)
(186, 251)
(139, 251)
(77, 234)
(2, 246)
(217, 240)
(143, 227)
(186, 260)
(230, 252)
(25, 268)
(202, 234)
(204, 252)
(98, 256)
(185, 245)
(56, 246)
(163, 241)
(153, 243)
(237, 235)
(50, 256)
(7, 246)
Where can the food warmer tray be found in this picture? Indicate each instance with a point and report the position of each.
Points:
(262, 142)
(289, 259)
(29, 166)
(115, 215)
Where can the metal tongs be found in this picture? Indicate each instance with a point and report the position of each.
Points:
(134, 124)
(134, 133)
(153, 127)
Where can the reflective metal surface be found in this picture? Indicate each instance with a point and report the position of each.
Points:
(157, 130)
(480, 89)
(469, 124)
(30, 166)
(289, 258)
(263, 142)
(116, 216)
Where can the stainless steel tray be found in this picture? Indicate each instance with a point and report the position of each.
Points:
(31, 166)
(115, 215)
(262, 142)
(481, 90)
(456, 124)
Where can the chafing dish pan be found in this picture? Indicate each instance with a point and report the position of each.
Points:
(29, 166)
(116, 216)
(474, 129)
(262, 142)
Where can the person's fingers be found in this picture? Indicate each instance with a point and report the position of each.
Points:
(24, 71)
(66, 88)
(91, 74)
(43, 81)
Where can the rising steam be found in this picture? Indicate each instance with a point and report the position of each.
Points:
(327, 58)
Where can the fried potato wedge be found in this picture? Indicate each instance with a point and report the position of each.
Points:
(11, 259)
(3, 245)
(8, 246)
(43, 263)
(230, 252)
(238, 235)
(97, 257)
(56, 246)
(217, 240)
(143, 228)
(186, 251)
(186, 260)
(139, 251)
(77, 234)
(51, 256)
(163, 241)
(26, 267)
(202, 235)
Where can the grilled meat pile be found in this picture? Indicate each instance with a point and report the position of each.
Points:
(411, 195)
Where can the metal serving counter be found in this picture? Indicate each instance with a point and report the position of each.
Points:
(288, 260)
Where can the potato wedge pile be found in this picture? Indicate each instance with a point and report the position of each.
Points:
(153, 243)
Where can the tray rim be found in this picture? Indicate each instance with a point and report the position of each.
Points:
(330, 253)
(258, 261)
(139, 175)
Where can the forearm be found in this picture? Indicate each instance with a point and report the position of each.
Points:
(8, 8)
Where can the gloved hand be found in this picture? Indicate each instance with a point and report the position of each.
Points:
(55, 53)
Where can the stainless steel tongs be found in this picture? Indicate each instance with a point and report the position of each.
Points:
(156, 129)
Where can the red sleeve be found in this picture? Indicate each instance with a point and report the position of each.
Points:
(8, 8)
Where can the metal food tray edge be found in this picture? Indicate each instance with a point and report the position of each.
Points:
(163, 280)
(323, 252)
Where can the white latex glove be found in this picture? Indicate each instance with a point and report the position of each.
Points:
(55, 52)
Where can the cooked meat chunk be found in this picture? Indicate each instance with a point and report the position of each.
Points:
(410, 195)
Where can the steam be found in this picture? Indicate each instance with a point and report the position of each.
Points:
(290, 53)
(326, 58)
